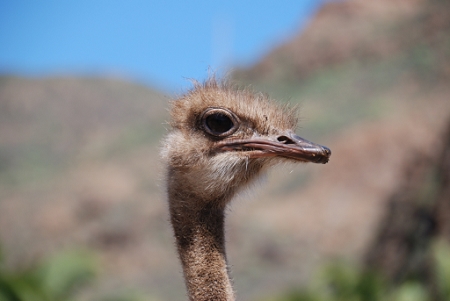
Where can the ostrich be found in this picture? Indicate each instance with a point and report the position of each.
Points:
(222, 138)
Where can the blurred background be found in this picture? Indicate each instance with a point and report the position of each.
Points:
(84, 88)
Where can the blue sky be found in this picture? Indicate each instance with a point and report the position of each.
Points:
(159, 43)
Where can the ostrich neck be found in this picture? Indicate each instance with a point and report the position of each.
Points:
(199, 232)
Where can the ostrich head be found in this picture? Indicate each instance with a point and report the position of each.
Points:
(222, 138)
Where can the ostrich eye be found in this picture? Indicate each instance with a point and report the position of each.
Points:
(219, 122)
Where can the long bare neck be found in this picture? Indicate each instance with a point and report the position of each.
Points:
(199, 232)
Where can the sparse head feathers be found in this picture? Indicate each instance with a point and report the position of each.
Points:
(255, 110)
(188, 150)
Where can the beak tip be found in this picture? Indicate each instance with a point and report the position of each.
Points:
(325, 155)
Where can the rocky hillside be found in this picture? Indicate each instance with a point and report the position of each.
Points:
(363, 31)
(79, 168)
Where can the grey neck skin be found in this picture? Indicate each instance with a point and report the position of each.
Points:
(199, 232)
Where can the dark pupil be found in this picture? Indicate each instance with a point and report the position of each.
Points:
(219, 123)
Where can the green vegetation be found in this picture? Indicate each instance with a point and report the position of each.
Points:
(59, 278)
(63, 276)
(344, 282)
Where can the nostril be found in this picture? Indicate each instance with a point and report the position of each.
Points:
(285, 140)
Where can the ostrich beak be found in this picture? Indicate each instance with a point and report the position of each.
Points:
(288, 146)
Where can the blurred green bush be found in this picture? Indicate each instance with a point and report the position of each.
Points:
(61, 277)
(341, 281)
(57, 278)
